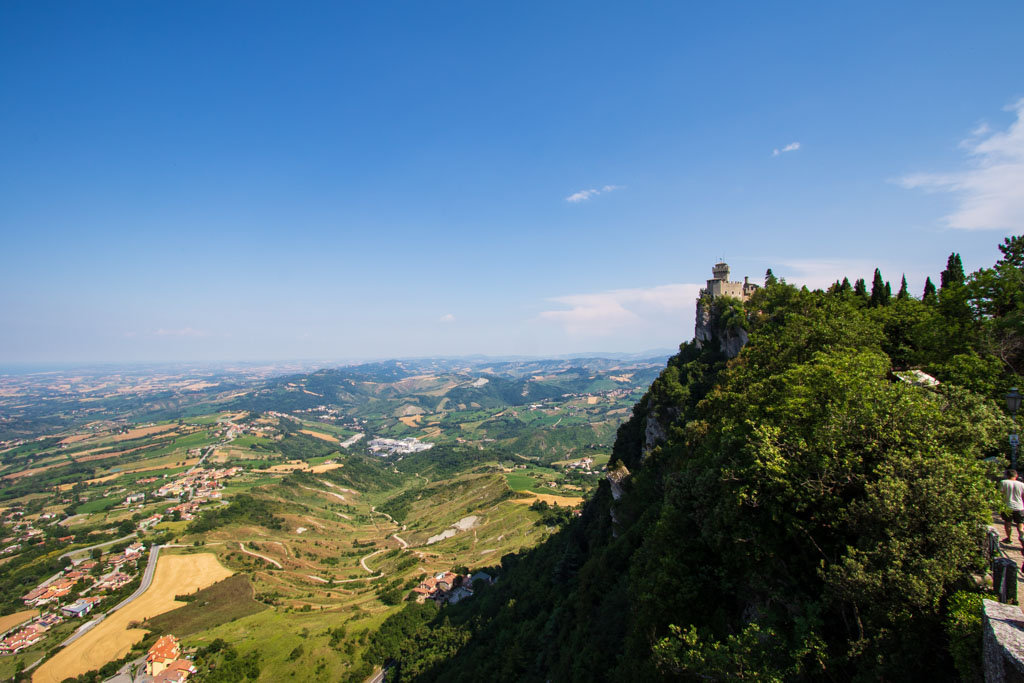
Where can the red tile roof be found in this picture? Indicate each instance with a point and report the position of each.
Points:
(164, 649)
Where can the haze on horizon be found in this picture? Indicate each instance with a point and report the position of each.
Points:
(242, 181)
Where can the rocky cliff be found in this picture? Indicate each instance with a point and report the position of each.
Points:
(720, 321)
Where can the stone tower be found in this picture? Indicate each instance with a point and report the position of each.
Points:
(719, 284)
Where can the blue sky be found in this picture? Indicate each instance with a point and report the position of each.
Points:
(249, 180)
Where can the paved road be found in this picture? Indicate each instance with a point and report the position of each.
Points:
(98, 545)
(363, 560)
(147, 579)
(380, 675)
(124, 674)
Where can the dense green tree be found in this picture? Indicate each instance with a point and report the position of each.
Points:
(860, 289)
(929, 290)
(769, 278)
(793, 513)
(903, 294)
(879, 295)
(954, 272)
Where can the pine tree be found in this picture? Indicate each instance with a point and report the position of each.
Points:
(1013, 251)
(954, 272)
(769, 278)
(846, 287)
(860, 288)
(879, 296)
(929, 290)
(903, 294)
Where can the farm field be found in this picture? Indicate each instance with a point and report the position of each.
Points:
(11, 620)
(307, 541)
(114, 636)
(564, 501)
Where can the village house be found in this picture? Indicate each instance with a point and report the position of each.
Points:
(48, 620)
(165, 650)
(443, 587)
(30, 635)
(583, 463)
(135, 498)
(46, 594)
(26, 637)
(80, 607)
(113, 581)
(176, 672)
(150, 521)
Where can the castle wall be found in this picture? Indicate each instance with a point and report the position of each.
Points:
(717, 288)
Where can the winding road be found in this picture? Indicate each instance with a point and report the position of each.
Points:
(362, 560)
(262, 557)
(147, 579)
(98, 545)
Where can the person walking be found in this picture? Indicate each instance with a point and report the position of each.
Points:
(1013, 504)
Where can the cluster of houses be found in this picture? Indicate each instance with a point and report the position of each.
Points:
(22, 531)
(18, 639)
(186, 511)
(51, 592)
(398, 446)
(55, 588)
(198, 484)
(53, 595)
(448, 587)
(165, 664)
(585, 464)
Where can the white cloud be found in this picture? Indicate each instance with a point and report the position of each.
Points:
(990, 191)
(791, 147)
(584, 195)
(447, 318)
(608, 312)
(183, 332)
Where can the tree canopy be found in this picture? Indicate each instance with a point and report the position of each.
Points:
(794, 513)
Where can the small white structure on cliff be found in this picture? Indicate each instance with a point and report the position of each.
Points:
(719, 285)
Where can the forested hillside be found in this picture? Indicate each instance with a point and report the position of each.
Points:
(797, 512)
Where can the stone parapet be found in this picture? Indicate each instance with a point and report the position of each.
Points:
(1003, 643)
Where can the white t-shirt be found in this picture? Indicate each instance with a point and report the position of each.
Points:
(1013, 493)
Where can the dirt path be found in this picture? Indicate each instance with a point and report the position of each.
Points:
(362, 560)
(340, 488)
(326, 493)
(262, 557)
(400, 540)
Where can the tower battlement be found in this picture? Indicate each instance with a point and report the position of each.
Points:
(719, 284)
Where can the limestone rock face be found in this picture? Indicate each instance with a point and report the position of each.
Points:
(616, 478)
(709, 327)
(654, 432)
(733, 341)
(702, 330)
